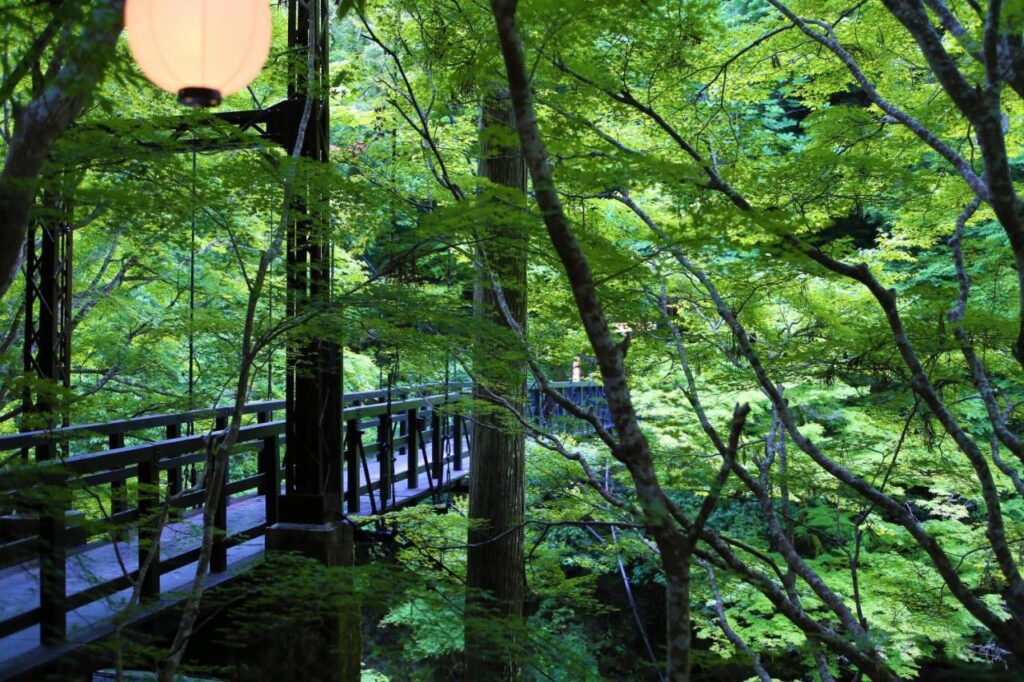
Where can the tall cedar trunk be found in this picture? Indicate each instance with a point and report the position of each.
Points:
(495, 578)
(632, 449)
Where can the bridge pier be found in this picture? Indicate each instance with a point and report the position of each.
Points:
(329, 543)
(334, 653)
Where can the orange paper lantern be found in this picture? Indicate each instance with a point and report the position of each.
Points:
(203, 50)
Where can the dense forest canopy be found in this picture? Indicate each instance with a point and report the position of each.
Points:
(785, 236)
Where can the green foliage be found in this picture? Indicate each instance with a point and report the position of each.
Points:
(784, 123)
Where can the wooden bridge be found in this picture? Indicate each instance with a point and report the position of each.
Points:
(66, 573)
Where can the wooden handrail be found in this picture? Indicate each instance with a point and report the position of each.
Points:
(30, 439)
(413, 407)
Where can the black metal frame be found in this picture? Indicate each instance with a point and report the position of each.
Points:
(314, 450)
(48, 308)
(313, 457)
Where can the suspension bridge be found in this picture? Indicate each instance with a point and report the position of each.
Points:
(67, 573)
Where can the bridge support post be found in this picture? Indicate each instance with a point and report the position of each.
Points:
(338, 654)
(313, 446)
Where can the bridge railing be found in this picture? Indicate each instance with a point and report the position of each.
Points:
(130, 468)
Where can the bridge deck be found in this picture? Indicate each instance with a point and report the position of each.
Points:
(99, 562)
(152, 451)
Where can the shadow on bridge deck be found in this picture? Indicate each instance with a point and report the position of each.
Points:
(77, 607)
(102, 562)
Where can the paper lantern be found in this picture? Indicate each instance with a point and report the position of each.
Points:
(203, 50)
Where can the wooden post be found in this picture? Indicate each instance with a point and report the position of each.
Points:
(436, 446)
(173, 475)
(352, 437)
(270, 468)
(53, 567)
(219, 557)
(412, 475)
(118, 490)
(149, 498)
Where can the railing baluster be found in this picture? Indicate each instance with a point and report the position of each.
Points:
(402, 432)
(366, 470)
(436, 446)
(149, 498)
(173, 475)
(53, 566)
(412, 476)
(219, 557)
(118, 490)
(457, 441)
(270, 468)
(385, 460)
(421, 424)
(352, 437)
(54, 534)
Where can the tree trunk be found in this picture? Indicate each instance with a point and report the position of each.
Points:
(496, 580)
(632, 448)
(42, 122)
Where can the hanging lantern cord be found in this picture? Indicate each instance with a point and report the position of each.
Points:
(270, 318)
(192, 299)
(447, 383)
(192, 314)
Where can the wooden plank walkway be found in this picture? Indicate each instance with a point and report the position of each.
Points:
(99, 562)
(153, 450)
